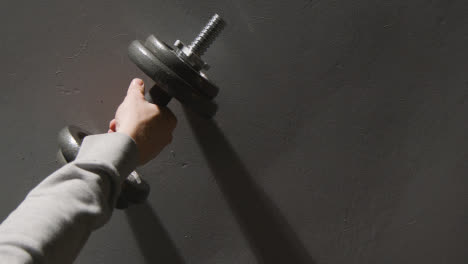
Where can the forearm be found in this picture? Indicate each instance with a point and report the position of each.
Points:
(56, 218)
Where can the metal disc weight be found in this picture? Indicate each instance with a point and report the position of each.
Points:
(170, 82)
(69, 141)
(134, 188)
(168, 56)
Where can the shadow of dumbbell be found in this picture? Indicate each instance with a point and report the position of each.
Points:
(266, 229)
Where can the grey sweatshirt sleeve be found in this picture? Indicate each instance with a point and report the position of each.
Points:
(56, 218)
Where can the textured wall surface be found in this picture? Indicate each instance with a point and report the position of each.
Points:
(341, 134)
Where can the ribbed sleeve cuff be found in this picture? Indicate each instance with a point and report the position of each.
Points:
(118, 149)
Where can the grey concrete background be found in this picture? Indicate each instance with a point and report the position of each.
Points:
(341, 135)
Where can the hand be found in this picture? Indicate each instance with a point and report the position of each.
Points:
(150, 126)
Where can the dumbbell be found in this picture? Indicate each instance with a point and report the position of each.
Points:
(178, 73)
(134, 189)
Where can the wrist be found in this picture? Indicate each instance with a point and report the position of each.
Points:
(129, 132)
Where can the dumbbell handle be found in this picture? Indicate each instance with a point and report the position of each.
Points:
(158, 96)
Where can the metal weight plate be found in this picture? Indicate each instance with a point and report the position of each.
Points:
(170, 82)
(168, 56)
(140, 190)
(155, 69)
(134, 189)
(69, 140)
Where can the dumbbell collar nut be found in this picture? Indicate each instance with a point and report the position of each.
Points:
(186, 54)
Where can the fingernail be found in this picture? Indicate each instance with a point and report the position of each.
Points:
(139, 82)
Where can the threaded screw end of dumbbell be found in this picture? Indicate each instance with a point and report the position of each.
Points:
(207, 35)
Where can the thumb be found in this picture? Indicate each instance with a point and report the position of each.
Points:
(137, 86)
(113, 125)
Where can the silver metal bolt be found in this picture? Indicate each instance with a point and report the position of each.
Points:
(207, 35)
(192, 53)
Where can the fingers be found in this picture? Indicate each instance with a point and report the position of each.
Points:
(137, 86)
